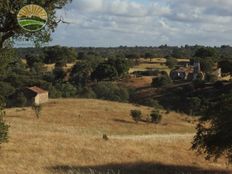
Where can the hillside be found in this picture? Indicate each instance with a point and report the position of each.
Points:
(68, 139)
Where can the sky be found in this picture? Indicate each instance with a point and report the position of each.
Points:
(111, 23)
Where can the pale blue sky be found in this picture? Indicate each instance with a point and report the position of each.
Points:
(145, 23)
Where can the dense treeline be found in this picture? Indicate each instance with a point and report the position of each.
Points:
(224, 52)
(89, 78)
(94, 68)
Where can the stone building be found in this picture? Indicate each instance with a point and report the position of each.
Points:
(36, 95)
(187, 73)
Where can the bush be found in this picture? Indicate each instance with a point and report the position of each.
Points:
(211, 78)
(198, 84)
(54, 93)
(87, 93)
(152, 103)
(111, 91)
(171, 63)
(3, 126)
(136, 115)
(156, 117)
(37, 109)
(161, 81)
(20, 100)
(218, 85)
(67, 89)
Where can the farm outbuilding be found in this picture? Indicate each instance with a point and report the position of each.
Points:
(36, 95)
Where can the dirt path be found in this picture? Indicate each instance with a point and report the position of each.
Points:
(160, 137)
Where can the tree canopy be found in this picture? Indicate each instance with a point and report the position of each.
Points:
(214, 132)
(8, 20)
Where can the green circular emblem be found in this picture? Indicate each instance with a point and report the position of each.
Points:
(32, 17)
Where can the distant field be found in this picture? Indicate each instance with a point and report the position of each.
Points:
(68, 140)
(137, 82)
(51, 67)
(154, 63)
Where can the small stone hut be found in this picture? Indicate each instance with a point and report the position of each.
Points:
(36, 95)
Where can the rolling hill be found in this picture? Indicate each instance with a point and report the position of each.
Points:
(68, 139)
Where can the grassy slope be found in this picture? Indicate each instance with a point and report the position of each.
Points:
(69, 136)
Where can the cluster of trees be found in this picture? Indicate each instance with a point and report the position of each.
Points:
(61, 83)
(154, 117)
(214, 135)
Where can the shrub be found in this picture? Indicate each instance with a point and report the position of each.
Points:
(218, 85)
(67, 89)
(54, 93)
(20, 100)
(111, 91)
(136, 115)
(156, 117)
(37, 109)
(198, 84)
(152, 103)
(211, 78)
(161, 81)
(3, 126)
(171, 62)
(87, 93)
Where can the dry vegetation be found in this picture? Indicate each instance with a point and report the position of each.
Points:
(138, 82)
(155, 63)
(51, 67)
(67, 139)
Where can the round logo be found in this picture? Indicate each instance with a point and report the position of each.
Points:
(32, 17)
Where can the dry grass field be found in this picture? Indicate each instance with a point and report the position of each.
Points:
(51, 67)
(137, 82)
(155, 63)
(67, 139)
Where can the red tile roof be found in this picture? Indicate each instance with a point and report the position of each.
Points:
(37, 90)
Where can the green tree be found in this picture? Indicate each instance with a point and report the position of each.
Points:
(67, 89)
(205, 52)
(9, 26)
(156, 117)
(162, 80)
(171, 62)
(136, 115)
(214, 135)
(194, 104)
(149, 55)
(6, 89)
(60, 54)
(105, 72)
(59, 74)
(20, 100)
(111, 91)
(120, 64)
(81, 73)
(226, 66)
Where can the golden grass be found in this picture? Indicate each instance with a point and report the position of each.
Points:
(68, 136)
(51, 67)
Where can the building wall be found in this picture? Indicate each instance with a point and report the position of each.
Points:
(41, 98)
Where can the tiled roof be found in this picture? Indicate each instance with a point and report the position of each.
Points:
(37, 90)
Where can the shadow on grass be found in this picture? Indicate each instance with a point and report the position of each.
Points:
(124, 121)
(135, 168)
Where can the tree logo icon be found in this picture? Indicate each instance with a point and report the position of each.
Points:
(32, 18)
